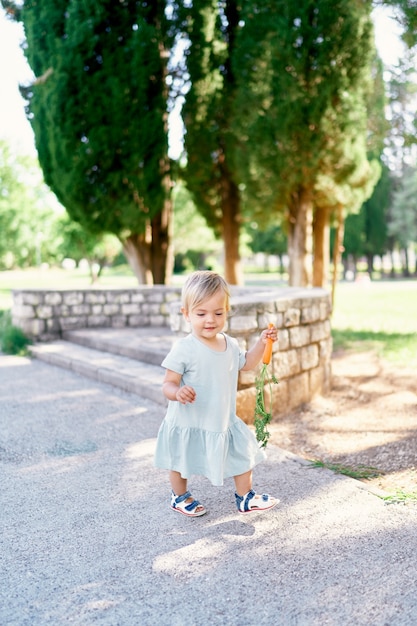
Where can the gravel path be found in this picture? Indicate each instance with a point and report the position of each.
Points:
(87, 536)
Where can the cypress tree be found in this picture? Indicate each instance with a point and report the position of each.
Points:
(99, 112)
(303, 80)
(211, 145)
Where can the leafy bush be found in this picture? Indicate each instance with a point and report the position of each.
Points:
(12, 339)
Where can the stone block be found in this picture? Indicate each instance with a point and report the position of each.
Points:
(316, 381)
(280, 398)
(33, 328)
(283, 340)
(137, 320)
(137, 297)
(287, 364)
(299, 336)
(157, 320)
(23, 312)
(98, 321)
(32, 297)
(245, 404)
(173, 296)
(62, 311)
(72, 298)
(154, 295)
(292, 317)
(150, 309)
(243, 323)
(53, 298)
(274, 318)
(309, 357)
(80, 309)
(95, 297)
(72, 322)
(298, 390)
(111, 309)
(247, 378)
(310, 314)
(120, 297)
(130, 309)
(118, 321)
(325, 309)
(325, 349)
(44, 312)
(320, 331)
(52, 326)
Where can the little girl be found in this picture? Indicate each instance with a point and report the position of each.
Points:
(201, 433)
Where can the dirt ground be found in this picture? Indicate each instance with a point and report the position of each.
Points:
(368, 419)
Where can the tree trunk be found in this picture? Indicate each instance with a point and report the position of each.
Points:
(137, 248)
(405, 262)
(321, 247)
(337, 250)
(150, 254)
(300, 239)
(230, 203)
(162, 256)
(370, 263)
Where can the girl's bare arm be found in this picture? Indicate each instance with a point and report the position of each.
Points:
(254, 355)
(173, 390)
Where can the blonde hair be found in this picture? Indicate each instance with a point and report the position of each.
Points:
(202, 285)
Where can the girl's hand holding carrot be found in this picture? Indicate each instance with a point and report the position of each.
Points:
(268, 337)
(263, 416)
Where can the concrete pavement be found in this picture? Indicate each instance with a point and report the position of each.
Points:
(87, 536)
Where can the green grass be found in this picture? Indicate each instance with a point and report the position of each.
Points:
(379, 316)
(364, 472)
(360, 472)
(400, 497)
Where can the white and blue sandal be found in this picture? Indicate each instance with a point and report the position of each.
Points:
(252, 501)
(192, 509)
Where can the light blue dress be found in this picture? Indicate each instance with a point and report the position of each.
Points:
(206, 437)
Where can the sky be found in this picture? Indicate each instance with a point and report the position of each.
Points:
(16, 130)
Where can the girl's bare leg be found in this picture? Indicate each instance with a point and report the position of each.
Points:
(243, 483)
(178, 483)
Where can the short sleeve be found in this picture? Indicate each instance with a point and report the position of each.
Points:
(176, 359)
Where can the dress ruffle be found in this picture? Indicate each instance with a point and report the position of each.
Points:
(216, 455)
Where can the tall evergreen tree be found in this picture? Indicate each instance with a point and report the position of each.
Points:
(303, 80)
(403, 218)
(211, 146)
(99, 112)
(375, 211)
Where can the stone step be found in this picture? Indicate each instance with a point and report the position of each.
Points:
(149, 344)
(128, 358)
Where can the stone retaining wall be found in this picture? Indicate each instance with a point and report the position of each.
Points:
(45, 314)
(301, 357)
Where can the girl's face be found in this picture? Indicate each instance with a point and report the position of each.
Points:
(209, 317)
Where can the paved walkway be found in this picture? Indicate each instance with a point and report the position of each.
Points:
(87, 536)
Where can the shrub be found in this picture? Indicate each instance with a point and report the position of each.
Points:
(12, 339)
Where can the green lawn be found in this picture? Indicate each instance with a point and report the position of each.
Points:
(380, 315)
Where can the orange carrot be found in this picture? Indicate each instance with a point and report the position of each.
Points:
(266, 359)
(263, 416)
